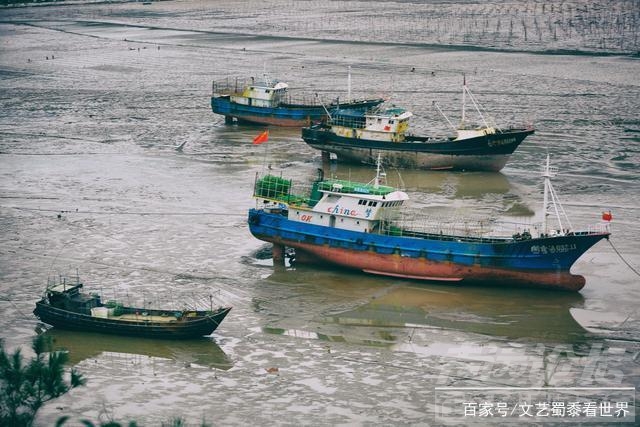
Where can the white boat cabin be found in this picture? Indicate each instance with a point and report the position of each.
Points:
(350, 206)
(262, 94)
(388, 124)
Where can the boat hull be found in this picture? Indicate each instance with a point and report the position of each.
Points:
(539, 262)
(484, 153)
(288, 115)
(184, 329)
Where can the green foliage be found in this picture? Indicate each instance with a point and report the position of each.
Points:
(25, 388)
(175, 422)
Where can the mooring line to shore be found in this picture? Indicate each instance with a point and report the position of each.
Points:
(9, 300)
(632, 269)
(622, 258)
(62, 211)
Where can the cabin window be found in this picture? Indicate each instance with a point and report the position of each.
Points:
(391, 122)
(379, 120)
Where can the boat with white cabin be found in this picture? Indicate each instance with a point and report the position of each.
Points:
(362, 226)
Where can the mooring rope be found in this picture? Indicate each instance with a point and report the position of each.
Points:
(9, 300)
(622, 258)
(150, 213)
(632, 269)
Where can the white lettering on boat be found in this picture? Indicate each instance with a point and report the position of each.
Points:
(553, 249)
(337, 209)
(502, 141)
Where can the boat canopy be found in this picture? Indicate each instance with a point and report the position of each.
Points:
(343, 186)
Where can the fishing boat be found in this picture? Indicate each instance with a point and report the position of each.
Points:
(64, 306)
(359, 136)
(270, 102)
(361, 226)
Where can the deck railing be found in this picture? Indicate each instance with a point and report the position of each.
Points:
(235, 86)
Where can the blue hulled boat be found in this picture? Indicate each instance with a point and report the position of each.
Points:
(269, 102)
(360, 226)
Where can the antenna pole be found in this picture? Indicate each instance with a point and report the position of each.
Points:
(349, 86)
(377, 183)
(464, 98)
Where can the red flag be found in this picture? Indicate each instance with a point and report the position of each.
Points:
(263, 137)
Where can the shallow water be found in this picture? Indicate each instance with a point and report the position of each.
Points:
(90, 182)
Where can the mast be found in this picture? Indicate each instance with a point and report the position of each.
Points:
(545, 200)
(381, 176)
(464, 98)
(377, 183)
(550, 197)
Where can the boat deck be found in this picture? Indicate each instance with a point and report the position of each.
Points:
(132, 317)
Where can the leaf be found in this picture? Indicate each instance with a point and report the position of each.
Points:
(63, 419)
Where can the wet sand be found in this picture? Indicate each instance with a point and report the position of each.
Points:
(91, 182)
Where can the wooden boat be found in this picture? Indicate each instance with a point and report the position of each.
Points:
(64, 306)
(363, 226)
(359, 136)
(269, 102)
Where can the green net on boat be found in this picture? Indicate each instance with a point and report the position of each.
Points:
(272, 187)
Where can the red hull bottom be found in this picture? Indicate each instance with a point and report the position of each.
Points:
(423, 269)
(274, 121)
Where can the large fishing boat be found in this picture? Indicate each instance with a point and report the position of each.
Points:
(359, 136)
(269, 102)
(65, 307)
(361, 226)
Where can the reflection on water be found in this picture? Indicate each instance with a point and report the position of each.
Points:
(441, 187)
(352, 307)
(86, 345)
(514, 314)
(466, 184)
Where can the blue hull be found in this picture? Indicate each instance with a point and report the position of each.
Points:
(537, 262)
(293, 115)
